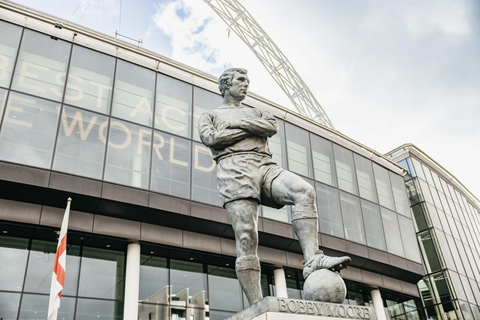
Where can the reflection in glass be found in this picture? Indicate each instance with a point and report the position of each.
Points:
(3, 96)
(345, 169)
(185, 275)
(277, 145)
(429, 250)
(173, 110)
(203, 101)
(366, 182)
(13, 250)
(204, 176)
(408, 237)
(390, 225)
(102, 274)
(171, 165)
(9, 305)
(153, 277)
(133, 93)
(352, 218)
(224, 288)
(384, 189)
(90, 80)
(81, 143)
(36, 307)
(457, 285)
(40, 266)
(41, 66)
(89, 309)
(399, 195)
(128, 154)
(220, 315)
(276, 214)
(328, 205)
(373, 225)
(447, 255)
(9, 40)
(28, 130)
(323, 163)
(298, 150)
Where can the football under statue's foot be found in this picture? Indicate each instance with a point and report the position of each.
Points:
(322, 261)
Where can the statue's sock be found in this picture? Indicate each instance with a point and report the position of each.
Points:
(248, 274)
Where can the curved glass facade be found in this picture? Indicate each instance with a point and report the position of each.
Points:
(447, 226)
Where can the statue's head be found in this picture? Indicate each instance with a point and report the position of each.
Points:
(225, 80)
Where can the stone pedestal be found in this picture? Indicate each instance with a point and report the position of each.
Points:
(274, 308)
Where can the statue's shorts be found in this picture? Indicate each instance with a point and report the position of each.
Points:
(247, 176)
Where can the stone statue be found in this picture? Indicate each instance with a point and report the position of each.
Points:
(247, 176)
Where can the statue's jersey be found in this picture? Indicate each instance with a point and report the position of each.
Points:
(231, 130)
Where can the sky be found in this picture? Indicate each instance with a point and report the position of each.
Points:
(385, 72)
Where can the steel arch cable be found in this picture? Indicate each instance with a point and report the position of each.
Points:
(244, 25)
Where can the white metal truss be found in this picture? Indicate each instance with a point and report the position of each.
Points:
(244, 25)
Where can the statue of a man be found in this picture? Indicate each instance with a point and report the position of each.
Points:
(247, 177)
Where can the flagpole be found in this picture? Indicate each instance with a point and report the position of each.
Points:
(58, 276)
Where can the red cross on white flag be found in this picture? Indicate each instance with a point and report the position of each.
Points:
(58, 277)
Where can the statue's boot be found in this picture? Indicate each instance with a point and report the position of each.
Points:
(248, 274)
(322, 261)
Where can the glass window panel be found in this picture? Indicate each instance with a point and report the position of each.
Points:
(102, 274)
(276, 214)
(390, 225)
(224, 288)
(173, 110)
(418, 168)
(425, 191)
(456, 257)
(204, 176)
(453, 227)
(366, 183)
(384, 188)
(440, 286)
(407, 163)
(28, 130)
(463, 255)
(203, 101)
(429, 250)
(445, 205)
(328, 204)
(128, 154)
(399, 194)
(420, 217)
(445, 250)
(408, 237)
(36, 307)
(9, 303)
(298, 150)
(432, 211)
(133, 93)
(153, 278)
(171, 165)
(220, 315)
(323, 161)
(345, 169)
(373, 225)
(42, 65)
(90, 80)
(352, 218)
(81, 143)
(457, 285)
(41, 263)
(9, 40)
(277, 145)
(189, 275)
(13, 250)
(88, 309)
(468, 290)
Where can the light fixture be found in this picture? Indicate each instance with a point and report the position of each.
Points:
(5, 231)
(108, 246)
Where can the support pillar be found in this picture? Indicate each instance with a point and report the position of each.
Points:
(378, 304)
(132, 282)
(280, 283)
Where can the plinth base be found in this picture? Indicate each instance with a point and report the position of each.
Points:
(273, 308)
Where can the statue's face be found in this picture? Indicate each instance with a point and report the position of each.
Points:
(239, 87)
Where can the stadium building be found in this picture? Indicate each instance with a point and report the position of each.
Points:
(114, 126)
(446, 216)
